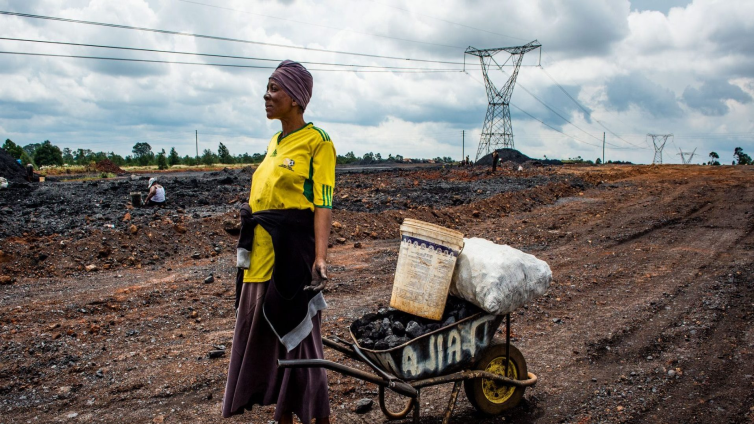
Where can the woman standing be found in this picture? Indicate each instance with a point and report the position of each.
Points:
(282, 251)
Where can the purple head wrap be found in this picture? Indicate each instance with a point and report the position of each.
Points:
(295, 80)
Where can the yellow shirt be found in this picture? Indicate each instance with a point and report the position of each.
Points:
(297, 173)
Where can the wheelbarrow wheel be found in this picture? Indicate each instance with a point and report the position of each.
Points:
(395, 415)
(491, 397)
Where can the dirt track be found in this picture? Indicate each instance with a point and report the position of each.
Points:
(648, 319)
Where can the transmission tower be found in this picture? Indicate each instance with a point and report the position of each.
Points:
(686, 159)
(659, 141)
(497, 130)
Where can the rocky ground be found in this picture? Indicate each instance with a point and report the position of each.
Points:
(107, 312)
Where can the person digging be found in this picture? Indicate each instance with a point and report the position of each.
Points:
(156, 196)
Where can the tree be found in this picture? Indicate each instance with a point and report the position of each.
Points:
(143, 153)
(162, 161)
(25, 158)
(224, 154)
(13, 149)
(173, 158)
(399, 158)
(369, 157)
(741, 157)
(81, 156)
(67, 156)
(48, 154)
(31, 148)
(377, 157)
(208, 158)
(713, 158)
(598, 161)
(116, 159)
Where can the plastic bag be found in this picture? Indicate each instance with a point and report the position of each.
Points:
(498, 278)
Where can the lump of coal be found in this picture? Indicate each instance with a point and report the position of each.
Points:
(366, 343)
(451, 320)
(393, 341)
(381, 345)
(414, 330)
(398, 328)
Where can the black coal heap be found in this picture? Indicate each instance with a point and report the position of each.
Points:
(390, 327)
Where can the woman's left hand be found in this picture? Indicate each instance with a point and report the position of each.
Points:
(319, 276)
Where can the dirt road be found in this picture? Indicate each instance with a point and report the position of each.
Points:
(648, 318)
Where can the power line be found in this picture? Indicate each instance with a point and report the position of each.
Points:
(202, 54)
(120, 59)
(587, 112)
(548, 107)
(553, 128)
(320, 25)
(212, 37)
(538, 120)
(561, 116)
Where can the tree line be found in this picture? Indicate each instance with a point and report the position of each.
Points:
(48, 154)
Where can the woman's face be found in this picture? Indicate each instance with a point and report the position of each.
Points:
(277, 103)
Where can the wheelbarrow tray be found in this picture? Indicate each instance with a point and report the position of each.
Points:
(446, 350)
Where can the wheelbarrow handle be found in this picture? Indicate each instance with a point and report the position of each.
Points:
(355, 353)
(397, 386)
(342, 349)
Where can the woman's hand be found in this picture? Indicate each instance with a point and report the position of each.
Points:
(322, 223)
(319, 276)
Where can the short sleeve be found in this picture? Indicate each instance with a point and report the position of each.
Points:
(323, 174)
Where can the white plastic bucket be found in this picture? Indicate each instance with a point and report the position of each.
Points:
(426, 260)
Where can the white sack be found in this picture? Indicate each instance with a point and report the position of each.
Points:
(498, 278)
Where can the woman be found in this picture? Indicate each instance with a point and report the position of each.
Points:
(283, 244)
(156, 196)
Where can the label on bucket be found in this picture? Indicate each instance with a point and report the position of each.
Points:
(422, 277)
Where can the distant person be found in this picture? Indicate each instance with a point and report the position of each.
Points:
(29, 172)
(467, 161)
(156, 196)
(495, 160)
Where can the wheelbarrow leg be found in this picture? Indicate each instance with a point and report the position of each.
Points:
(417, 407)
(452, 402)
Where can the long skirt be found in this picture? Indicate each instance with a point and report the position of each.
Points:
(253, 374)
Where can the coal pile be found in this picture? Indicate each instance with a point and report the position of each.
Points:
(447, 187)
(10, 169)
(107, 165)
(58, 208)
(513, 155)
(388, 327)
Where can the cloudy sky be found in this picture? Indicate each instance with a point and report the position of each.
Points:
(633, 67)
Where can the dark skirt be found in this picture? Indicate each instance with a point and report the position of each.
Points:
(253, 375)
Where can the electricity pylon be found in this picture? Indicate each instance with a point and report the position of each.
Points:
(659, 141)
(497, 130)
(686, 159)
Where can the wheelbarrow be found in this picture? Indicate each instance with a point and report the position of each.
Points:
(494, 374)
